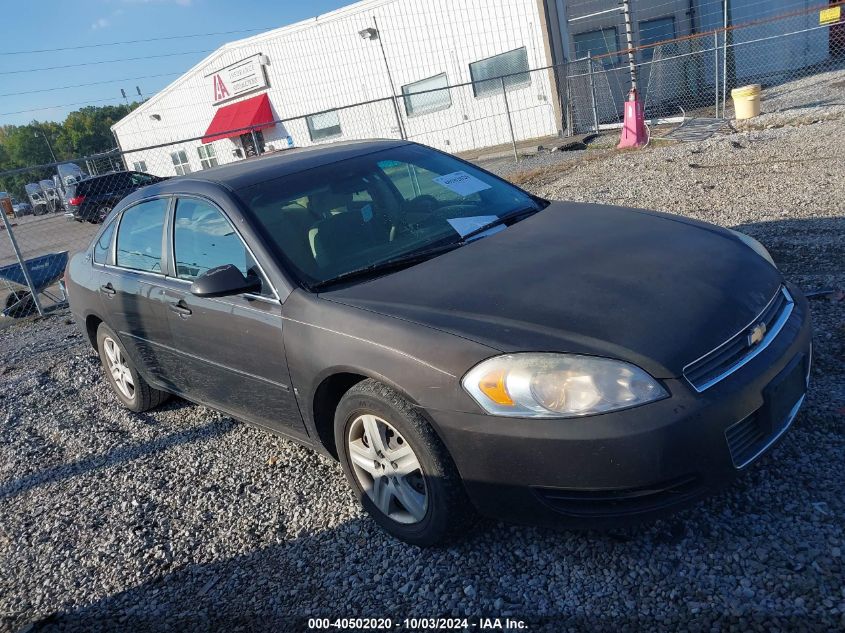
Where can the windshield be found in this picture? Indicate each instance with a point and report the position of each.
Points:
(328, 221)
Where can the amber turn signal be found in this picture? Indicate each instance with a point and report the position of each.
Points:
(493, 386)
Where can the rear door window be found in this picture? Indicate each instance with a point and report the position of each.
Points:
(139, 236)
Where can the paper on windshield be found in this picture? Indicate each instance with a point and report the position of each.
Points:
(461, 183)
(465, 226)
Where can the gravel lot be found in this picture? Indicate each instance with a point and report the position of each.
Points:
(183, 519)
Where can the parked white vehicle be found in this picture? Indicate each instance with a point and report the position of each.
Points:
(36, 198)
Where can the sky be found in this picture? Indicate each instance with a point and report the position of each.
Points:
(95, 24)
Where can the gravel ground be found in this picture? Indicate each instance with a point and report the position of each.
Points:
(822, 92)
(183, 519)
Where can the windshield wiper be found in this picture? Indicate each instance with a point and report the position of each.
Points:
(415, 257)
(401, 261)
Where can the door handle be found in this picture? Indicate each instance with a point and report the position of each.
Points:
(108, 289)
(180, 308)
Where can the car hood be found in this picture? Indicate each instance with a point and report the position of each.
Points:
(654, 289)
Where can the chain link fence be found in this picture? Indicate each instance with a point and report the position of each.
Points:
(52, 211)
(798, 58)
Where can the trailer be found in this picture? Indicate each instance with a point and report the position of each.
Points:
(44, 271)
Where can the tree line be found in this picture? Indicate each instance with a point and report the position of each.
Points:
(84, 132)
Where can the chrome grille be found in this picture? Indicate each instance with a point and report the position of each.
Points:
(738, 350)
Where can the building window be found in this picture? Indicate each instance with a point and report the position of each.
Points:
(207, 156)
(419, 101)
(486, 73)
(323, 125)
(653, 31)
(595, 43)
(141, 165)
(180, 162)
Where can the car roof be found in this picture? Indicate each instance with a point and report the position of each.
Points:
(282, 163)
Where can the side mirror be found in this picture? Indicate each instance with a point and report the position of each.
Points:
(222, 281)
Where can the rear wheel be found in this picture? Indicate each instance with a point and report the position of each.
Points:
(398, 467)
(131, 389)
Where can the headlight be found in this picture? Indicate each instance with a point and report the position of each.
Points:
(756, 246)
(558, 385)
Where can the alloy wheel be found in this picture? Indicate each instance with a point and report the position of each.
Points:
(387, 469)
(119, 368)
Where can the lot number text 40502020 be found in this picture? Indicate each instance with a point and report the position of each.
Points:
(417, 624)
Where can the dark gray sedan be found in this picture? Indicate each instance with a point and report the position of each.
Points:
(459, 345)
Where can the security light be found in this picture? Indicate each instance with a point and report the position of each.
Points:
(155, 117)
(369, 34)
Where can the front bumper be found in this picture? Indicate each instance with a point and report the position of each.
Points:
(602, 470)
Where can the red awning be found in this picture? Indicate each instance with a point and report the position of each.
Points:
(231, 120)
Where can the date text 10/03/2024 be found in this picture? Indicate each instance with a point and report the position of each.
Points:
(417, 624)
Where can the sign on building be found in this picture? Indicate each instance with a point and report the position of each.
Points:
(831, 15)
(237, 79)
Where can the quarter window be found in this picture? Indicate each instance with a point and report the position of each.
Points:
(323, 125)
(203, 239)
(180, 162)
(208, 158)
(101, 248)
(418, 99)
(487, 73)
(139, 236)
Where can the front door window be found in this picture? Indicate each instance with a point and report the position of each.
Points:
(203, 239)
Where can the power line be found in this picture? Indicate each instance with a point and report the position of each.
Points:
(93, 83)
(64, 105)
(152, 39)
(105, 61)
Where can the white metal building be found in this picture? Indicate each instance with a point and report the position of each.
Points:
(296, 85)
(336, 59)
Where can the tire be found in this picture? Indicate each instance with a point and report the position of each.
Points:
(446, 511)
(141, 396)
(20, 304)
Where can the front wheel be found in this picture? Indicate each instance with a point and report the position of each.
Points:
(398, 467)
(131, 389)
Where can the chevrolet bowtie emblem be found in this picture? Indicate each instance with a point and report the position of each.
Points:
(756, 334)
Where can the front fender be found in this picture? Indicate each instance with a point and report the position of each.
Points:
(423, 364)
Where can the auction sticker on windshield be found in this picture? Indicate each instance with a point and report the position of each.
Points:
(461, 183)
(465, 226)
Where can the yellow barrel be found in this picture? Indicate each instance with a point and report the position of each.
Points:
(746, 101)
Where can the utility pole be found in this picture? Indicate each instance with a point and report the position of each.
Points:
(634, 132)
(46, 140)
(629, 36)
(373, 33)
(390, 79)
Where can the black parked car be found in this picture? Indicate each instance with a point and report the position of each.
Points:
(94, 198)
(457, 343)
